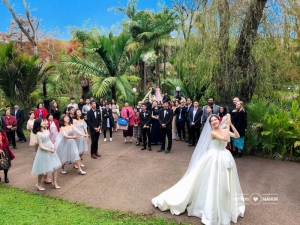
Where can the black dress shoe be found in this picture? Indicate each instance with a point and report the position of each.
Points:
(238, 155)
(167, 151)
(187, 141)
(19, 140)
(143, 148)
(6, 180)
(160, 150)
(191, 145)
(150, 149)
(15, 147)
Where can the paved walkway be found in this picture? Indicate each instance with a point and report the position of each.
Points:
(126, 178)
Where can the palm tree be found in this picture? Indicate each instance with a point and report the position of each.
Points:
(20, 74)
(115, 62)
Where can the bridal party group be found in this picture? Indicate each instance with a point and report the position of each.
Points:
(60, 136)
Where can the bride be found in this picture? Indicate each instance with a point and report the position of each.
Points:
(210, 189)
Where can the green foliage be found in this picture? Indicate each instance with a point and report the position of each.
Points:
(273, 129)
(20, 207)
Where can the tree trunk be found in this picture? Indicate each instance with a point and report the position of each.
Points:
(46, 100)
(165, 59)
(113, 92)
(157, 65)
(145, 77)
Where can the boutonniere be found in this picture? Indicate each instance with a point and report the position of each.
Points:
(167, 113)
(146, 114)
(98, 112)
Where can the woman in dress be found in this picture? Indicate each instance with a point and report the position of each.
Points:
(127, 113)
(71, 110)
(53, 127)
(107, 121)
(239, 118)
(116, 112)
(137, 131)
(174, 105)
(32, 140)
(4, 148)
(155, 131)
(82, 142)
(46, 159)
(158, 97)
(66, 146)
(222, 112)
(54, 109)
(11, 123)
(210, 189)
(40, 111)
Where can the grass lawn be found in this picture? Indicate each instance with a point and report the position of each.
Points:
(21, 207)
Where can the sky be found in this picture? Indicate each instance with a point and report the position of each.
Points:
(60, 14)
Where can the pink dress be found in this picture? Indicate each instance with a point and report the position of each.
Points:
(53, 131)
(158, 95)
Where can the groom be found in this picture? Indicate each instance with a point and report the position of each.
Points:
(94, 123)
(165, 119)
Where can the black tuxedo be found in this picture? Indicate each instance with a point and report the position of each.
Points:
(180, 121)
(195, 129)
(146, 121)
(166, 117)
(94, 122)
(19, 115)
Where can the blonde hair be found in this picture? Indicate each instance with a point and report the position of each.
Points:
(242, 106)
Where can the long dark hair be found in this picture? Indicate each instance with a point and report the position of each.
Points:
(37, 125)
(223, 113)
(214, 115)
(75, 114)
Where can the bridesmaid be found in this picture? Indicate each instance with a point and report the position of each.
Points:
(30, 122)
(46, 159)
(155, 131)
(116, 112)
(66, 146)
(53, 127)
(127, 113)
(81, 142)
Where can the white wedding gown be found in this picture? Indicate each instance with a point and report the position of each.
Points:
(211, 190)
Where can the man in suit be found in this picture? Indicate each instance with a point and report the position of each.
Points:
(145, 118)
(19, 115)
(94, 123)
(107, 122)
(180, 120)
(165, 119)
(188, 108)
(216, 108)
(148, 104)
(195, 115)
(139, 109)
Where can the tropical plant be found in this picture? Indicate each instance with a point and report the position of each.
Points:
(115, 62)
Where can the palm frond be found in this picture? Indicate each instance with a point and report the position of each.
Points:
(124, 87)
(101, 85)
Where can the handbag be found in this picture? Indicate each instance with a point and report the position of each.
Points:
(122, 127)
(4, 163)
(13, 128)
(122, 122)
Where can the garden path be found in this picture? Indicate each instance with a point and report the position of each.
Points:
(126, 178)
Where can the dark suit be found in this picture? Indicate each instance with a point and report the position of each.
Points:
(166, 118)
(188, 109)
(180, 121)
(107, 114)
(195, 129)
(146, 121)
(94, 122)
(19, 115)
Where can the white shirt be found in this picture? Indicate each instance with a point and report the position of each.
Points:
(194, 113)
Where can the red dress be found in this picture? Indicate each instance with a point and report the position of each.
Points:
(4, 145)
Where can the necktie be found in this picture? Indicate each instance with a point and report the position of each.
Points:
(165, 113)
(180, 113)
(144, 114)
(95, 114)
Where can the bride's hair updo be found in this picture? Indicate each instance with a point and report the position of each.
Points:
(214, 115)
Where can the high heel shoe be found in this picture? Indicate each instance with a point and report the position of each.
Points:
(40, 189)
(81, 172)
(56, 186)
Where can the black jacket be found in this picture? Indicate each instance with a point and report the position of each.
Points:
(166, 119)
(197, 118)
(107, 113)
(239, 121)
(92, 121)
(19, 116)
(183, 114)
(145, 120)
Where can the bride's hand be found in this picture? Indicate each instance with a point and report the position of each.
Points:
(228, 121)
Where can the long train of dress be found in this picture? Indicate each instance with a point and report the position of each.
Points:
(210, 191)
